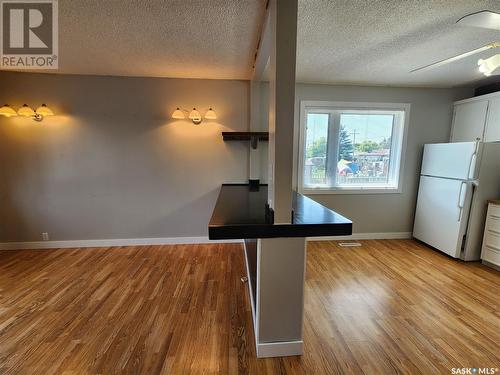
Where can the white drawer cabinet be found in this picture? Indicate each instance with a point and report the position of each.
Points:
(491, 241)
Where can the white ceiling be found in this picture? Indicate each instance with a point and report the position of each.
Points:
(155, 38)
(381, 41)
(370, 42)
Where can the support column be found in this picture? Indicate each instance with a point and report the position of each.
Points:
(283, 43)
(280, 296)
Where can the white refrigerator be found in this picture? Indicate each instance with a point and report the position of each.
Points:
(456, 180)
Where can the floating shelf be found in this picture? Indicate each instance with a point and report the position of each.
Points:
(245, 136)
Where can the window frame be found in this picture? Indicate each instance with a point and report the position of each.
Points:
(399, 141)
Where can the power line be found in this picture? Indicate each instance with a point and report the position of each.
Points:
(354, 132)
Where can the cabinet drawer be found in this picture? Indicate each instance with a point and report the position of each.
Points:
(494, 211)
(491, 255)
(493, 225)
(492, 240)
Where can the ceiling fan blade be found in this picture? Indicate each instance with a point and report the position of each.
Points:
(485, 19)
(457, 57)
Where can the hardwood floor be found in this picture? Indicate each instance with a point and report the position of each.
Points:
(386, 307)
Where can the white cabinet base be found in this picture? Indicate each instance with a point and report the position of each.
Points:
(491, 265)
(276, 270)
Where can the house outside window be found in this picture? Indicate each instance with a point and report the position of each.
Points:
(351, 147)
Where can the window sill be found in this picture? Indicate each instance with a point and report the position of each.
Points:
(331, 191)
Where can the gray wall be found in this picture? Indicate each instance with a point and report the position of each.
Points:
(112, 163)
(430, 122)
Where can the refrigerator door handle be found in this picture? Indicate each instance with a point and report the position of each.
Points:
(461, 199)
(472, 165)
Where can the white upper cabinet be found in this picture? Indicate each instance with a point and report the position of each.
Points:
(492, 130)
(468, 121)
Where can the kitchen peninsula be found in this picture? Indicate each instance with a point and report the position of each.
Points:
(275, 258)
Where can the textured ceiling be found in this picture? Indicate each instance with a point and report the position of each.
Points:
(170, 38)
(339, 41)
(380, 41)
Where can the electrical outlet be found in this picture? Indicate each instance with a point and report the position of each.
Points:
(45, 236)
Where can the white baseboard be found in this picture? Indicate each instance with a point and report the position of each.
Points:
(177, 241)
(280, 349)
(365, 236)
(110, 242)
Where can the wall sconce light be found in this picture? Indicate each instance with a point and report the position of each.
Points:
(43, 111)
(211, 115)
(7, 111)
(27, 111)
(194, 115)
(178, 114)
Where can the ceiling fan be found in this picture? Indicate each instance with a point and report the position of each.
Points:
(484, 19)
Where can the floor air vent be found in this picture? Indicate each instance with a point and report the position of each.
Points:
(349, 244)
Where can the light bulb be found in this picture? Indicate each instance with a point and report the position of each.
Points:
(490, 65)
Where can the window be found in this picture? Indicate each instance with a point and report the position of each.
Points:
(351, 147)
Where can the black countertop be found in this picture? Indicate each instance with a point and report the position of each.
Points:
(240, 212)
